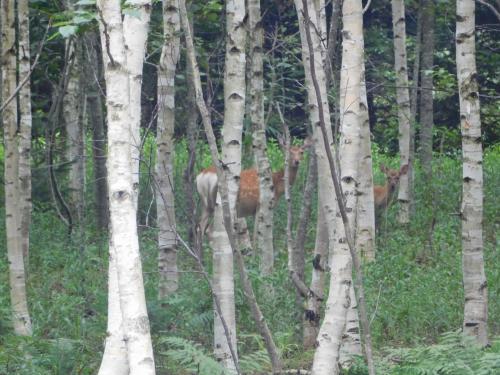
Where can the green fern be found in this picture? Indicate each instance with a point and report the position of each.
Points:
(255, 363)
(191, 357)
(453, 355)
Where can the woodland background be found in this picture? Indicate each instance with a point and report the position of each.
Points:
(414, 289)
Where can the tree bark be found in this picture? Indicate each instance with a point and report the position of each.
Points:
(264, 217)
(25, 125)
(365, 215)
(96, 118)
(333, 327)
(124, 243)
(351, 342)
(135, 31)
(313, 304)
(404, 110)
(475, 287)
(426, 100)
(167, 235)
(234, 111)
(72, 112)
(14, 199)
(114, 359)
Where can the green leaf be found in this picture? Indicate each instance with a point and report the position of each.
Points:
(85, 2)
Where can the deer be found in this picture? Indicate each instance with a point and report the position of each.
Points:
(247, 200)
(384, 195)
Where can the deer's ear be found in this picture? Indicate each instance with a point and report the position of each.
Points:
(404, 169)
(281, 141)
(308, 142)
(383, 168)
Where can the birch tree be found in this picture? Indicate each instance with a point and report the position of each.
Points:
(426, 95)
(16, 161)
(234, 111)
(365, 208)
(475, 290)
(72, 112)
(167, 239)
(264, 217)
(404, 111)
(135, 31)
(25, 124)
(124, 244)
(329, 338)
(95, 115)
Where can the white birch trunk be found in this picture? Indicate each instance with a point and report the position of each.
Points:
(351, 342)
(13, 204)
(317, 286)
(365, 215)
(234, 112)
(404, 111)
(122, 190)
(24, 128)
(329, 338)
(167, 241)
(475, 289)
(135, 31)
(426, 95)
(264, 217)
(327, 356)
(114, 359)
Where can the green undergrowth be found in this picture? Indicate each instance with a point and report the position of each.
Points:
(414, 289)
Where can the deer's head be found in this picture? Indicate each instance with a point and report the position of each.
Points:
(393, 175)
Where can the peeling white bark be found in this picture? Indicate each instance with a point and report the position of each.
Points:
(24, 127)
(404, 111)
(122, 189)
(475, 288)
(264, 217)
(12, 174)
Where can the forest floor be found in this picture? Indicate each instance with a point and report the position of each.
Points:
(414, 290)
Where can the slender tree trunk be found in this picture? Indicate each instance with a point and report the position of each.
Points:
(475, 289)
(351, 342)
(416, 70)
(135, 31)
(13, 203)
(24, 127)
(326, 194)
(192, 136)
(331, 331)
(365, 215)
(124, 244)
(264, 218)
(414, 94)
(96, 118)
(114, 359)
(426, 100)
(404, 110)
(234, 111)
(167, 236)
(313, 304)
(73, 106)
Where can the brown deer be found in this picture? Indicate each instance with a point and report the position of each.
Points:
(248, 193)
(384, 195)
